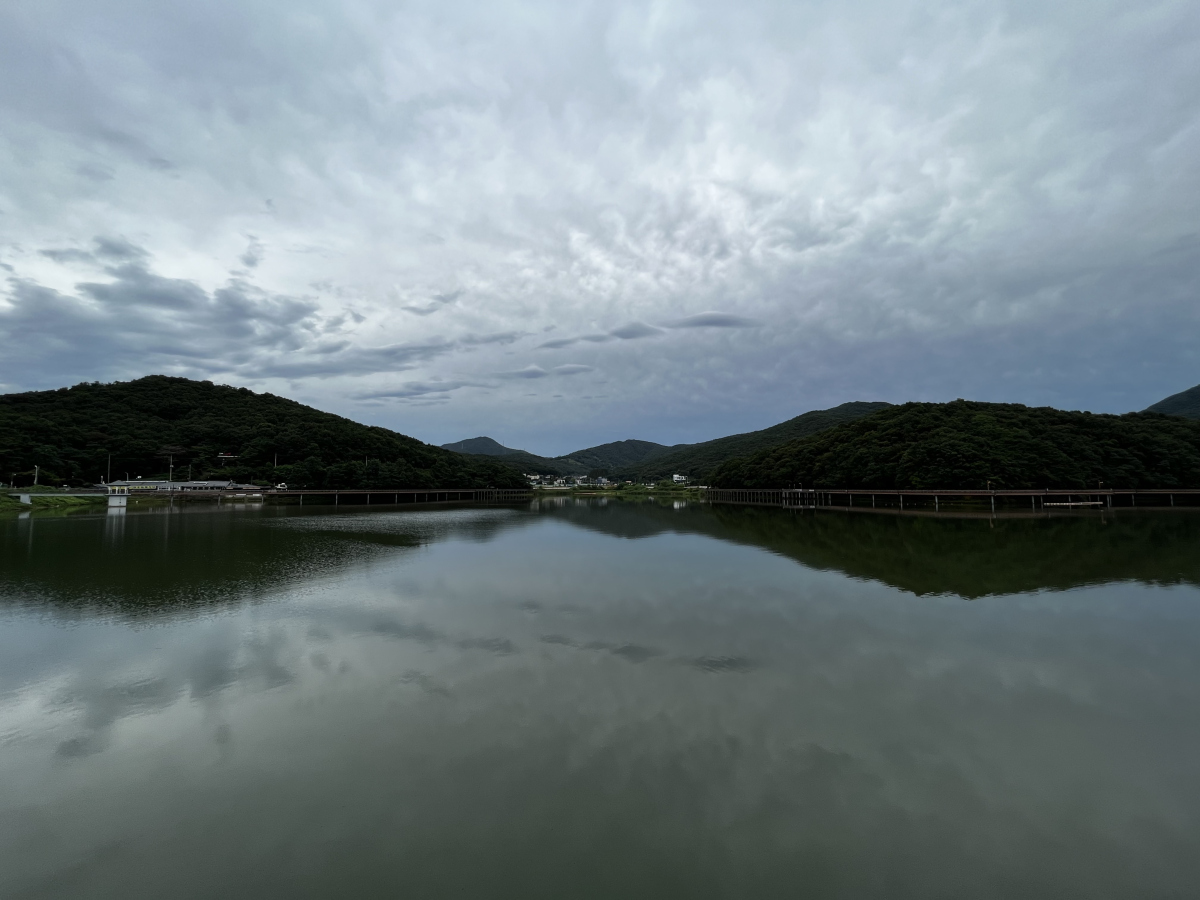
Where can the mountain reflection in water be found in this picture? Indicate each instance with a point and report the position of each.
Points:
(585, 699)
(969, 557)
(164, 560)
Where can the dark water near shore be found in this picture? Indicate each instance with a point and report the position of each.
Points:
(598, 700)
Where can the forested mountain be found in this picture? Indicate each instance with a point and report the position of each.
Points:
(699, 460)
(968, 445)
(72, 432)
(481, 446)
(618, 455)
(648, 461)
(608, 458)
(1185, 403)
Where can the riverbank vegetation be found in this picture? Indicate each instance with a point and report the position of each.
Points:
(976, 445)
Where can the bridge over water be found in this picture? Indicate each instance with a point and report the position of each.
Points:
(358, 496)
(918, 500)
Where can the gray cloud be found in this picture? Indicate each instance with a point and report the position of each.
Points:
(68, 255)
(630, 332)
(982, 200)
(119, 249)
(714, 320)
(527, 372)
(436, 303)
(635, 330)
(410, 390)
(253, 255)
(500, 337)
(354, 361)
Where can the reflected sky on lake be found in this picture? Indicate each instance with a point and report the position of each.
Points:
(587, 700)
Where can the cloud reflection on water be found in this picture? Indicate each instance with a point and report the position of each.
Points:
(678, 713)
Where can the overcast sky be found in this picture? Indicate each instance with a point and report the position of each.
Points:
(561, 224)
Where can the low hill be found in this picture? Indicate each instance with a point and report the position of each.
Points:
(699, 460)
(1185, 403)
(966, 445)
(72, 432)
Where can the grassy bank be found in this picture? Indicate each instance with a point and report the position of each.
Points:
(46, 502)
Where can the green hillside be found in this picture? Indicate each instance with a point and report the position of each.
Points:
(618, 455)
(481, 446)
(966, 445)
(71, 432)
(606, 457)
(1185, 403)
(699, 460)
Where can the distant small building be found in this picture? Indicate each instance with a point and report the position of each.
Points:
(679, 479)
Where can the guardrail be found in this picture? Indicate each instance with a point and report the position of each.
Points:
(363, 496)
(865, 498)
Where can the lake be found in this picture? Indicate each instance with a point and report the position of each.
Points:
(581, 698)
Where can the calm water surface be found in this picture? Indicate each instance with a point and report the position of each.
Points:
(598, 700)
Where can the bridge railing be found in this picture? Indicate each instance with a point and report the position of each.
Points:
(860, 498)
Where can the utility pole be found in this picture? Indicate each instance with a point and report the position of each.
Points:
(35, 475)
(170, 468)
(109, 478)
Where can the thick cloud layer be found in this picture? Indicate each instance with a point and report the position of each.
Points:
(710, 216)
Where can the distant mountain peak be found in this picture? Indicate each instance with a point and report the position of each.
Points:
(1185, 403)
(481, 446)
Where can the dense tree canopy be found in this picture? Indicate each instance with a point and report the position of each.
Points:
(70, 434)
(699, 460)
(967, 445)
